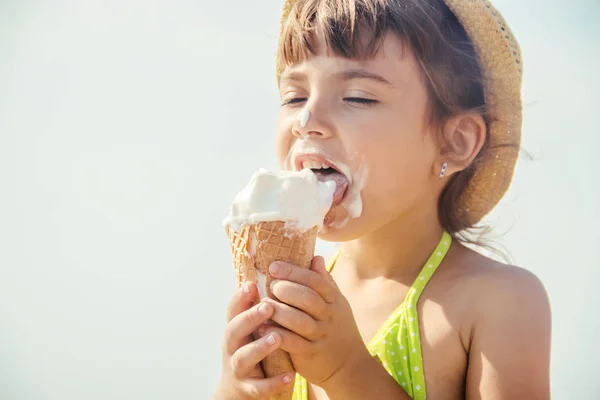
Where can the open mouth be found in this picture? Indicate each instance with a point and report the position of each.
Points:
(325, 171)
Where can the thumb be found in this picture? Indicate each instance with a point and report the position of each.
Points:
(318, 265)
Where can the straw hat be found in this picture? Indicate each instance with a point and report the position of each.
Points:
(500, 58)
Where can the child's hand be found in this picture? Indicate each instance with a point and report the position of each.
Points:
(242, 377)
(321, 336)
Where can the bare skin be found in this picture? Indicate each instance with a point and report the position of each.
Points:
(469, 318)
(485, 327)
(241, 375)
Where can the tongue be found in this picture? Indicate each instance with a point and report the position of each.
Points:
(341, 183)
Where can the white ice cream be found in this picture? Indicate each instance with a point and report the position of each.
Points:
(357, 177)
(261, 283)
(295, 197)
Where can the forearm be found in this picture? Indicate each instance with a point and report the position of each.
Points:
(366, 379)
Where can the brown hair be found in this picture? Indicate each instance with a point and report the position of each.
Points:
(449, 65)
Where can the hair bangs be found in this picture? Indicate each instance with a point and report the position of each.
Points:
(350, 28)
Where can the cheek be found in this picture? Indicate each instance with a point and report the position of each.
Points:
(399, 167)
(283, 140)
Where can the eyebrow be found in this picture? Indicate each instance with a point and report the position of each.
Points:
(362, 74)
(294, 77)
(345, 75)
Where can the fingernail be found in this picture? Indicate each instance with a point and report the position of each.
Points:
(271, 339)
(246, 288)
(274, 268)
(263, 309)
(272, 284)
(287, 379)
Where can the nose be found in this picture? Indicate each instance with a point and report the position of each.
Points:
(311, 124)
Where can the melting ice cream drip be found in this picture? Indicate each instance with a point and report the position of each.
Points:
(352, 202)
(261, 279)
(303, 117)
(261, 282)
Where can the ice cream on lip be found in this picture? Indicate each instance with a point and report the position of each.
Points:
(350, 181)
(325, 171)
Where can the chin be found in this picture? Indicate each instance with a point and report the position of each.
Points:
(342, 232)
(340, 226)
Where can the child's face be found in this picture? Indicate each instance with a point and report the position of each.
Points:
(385, 141)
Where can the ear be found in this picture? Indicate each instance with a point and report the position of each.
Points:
(464, 136)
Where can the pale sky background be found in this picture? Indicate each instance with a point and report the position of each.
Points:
(126, 128)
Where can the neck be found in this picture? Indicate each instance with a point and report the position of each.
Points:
(397, 250)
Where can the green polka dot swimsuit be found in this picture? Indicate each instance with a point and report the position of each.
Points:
(397, 344)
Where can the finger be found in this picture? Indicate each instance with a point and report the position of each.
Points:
(318, 265)
(306, 277)
(290, 342)
(301, 297)
(238, 330)
(295, 320)
(242, 300)
(246, 357)
(267, 388)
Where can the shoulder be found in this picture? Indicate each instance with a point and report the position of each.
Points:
(507, 331)
(503, 301)
(488, 293)
(501, 288)
(505, 328)
(487, 283)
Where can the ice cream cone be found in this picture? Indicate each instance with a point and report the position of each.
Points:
(254, 248)
(276, 217)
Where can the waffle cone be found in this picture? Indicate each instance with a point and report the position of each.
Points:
(254, 248)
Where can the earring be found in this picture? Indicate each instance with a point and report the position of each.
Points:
(443, 171)
(303, 117)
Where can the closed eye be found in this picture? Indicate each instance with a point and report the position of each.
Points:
(294, 100)
(360, 100)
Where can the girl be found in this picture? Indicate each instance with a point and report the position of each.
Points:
(413, 107)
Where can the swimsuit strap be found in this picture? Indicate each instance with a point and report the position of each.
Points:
(427, 272)
(407, 310)
(398, 342)
(333, 260)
